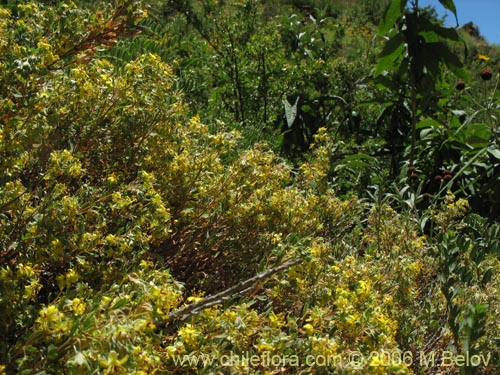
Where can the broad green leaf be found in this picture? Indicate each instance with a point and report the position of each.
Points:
(392, 46)
(425, 132)
(431, 59)
(450, 59)
(429, 36)
(495, 153)
(446, 32)
(427, 25)
(450, 5)
(478, 135)
(426, 123)
(385, 81)
(358, 157)
(393, 13)
(355, 161)
(393, 50)
(480, 308)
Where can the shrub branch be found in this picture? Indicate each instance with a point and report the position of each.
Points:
(235, 291)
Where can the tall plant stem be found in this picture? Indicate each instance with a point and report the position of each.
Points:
(413, 103)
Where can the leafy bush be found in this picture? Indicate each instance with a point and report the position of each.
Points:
(137, 239)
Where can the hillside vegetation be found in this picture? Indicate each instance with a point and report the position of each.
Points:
(247, 187)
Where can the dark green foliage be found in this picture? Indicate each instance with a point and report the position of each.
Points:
(463, 262)
(303, 117)
(152, 143)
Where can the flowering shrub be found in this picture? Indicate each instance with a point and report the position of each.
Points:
(119, 209)
(105, 173)
(112, 331)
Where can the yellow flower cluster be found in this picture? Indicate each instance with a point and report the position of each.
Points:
(77, 306)
(52, 320)
(47, 52)
(189, 335)
(67, 279)
(5, 21)
(451, 211)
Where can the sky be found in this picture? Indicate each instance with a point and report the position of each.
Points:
(484, 13)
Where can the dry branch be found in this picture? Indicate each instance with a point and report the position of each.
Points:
(237, 290)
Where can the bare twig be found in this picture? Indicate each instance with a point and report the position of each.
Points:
(236, 290)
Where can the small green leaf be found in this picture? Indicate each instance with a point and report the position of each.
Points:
(291, 111)
(424, 133)
(487, 277)
(446, 32)
(52, 352)
(120, 303)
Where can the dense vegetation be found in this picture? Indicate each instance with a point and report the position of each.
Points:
(247, 187)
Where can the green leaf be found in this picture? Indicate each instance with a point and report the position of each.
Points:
(478, 135)
(429, 36)
(450, 59)
(487, 277)
(355, 161)
(480, 308)
(52, 352)
(393, 51)
(358, 157)
(392, 45)
(384, 81)
(120, 303)
(291, 111)
(495, 153)
(450, 5)
(447, 32)
(427, 123)
(427, 25)
(429, 60)
(393, 13)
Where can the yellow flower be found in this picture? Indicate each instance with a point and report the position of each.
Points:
(275, 320)
(25, 270)
(363, 289)
(484, 57)
(111, 179)
(146, 265)
(276, 239)
(194, 299)
(52, 320)
(78, 306)
(309, 329)
(49, 314)
(112, 363)
(353, 319)
(143, 325)
(189, 334)
(68, 279)
(111, 240)
(263, 347)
